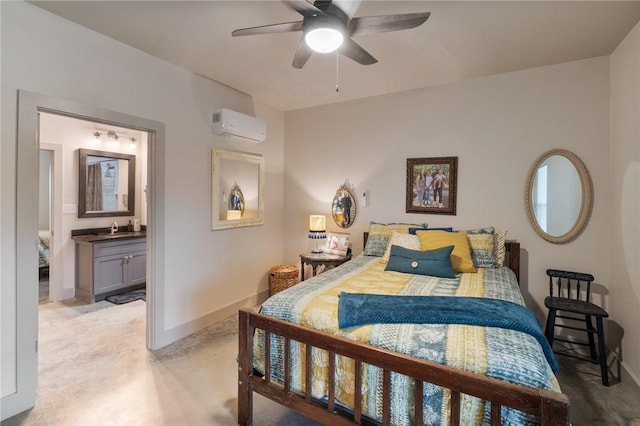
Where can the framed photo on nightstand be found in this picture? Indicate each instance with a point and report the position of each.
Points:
(337, 243)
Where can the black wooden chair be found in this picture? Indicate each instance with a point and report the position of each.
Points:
(569, 293)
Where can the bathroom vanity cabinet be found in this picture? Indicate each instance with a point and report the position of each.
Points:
(109, 266)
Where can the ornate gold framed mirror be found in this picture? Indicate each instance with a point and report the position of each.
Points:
(559, 196)
(343, 206)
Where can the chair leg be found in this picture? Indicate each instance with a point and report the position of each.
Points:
(592, 343)
(603, 356)
(550, 327)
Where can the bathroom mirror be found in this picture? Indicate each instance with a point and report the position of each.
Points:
(343, 206)
(559, 196)
(106, 184)
(237, 189)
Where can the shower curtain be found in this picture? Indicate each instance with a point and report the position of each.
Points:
(94, 187)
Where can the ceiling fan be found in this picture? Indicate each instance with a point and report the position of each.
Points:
(328, 25)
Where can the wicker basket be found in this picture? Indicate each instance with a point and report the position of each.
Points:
(282, 277)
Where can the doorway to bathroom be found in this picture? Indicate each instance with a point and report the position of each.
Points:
(61, 139)
(25, 343)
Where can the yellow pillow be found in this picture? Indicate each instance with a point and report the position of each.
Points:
(460, 257)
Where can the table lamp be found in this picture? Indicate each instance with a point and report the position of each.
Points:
(317, 230)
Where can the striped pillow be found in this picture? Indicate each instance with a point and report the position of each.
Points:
(499, 250)
(376, 245)
(482, 250)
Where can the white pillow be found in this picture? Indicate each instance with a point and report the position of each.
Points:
(408, 241)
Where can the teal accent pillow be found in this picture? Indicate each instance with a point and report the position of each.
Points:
(376, 245)
(435, 262)
(487, 230)
(413, 231)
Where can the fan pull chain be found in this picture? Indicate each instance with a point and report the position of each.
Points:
(337, 76)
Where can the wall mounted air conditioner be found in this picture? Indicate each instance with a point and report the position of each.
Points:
(238, 126)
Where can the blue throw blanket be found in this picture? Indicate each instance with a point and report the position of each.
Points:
(359, 308)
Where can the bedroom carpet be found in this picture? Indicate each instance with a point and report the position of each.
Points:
(86, 379)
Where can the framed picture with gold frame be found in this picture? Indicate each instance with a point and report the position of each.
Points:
(432, 185)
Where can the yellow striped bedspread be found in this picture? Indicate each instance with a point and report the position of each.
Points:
(500, 353)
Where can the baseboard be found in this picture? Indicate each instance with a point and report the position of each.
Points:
(627, 375)
(184, 330)
(67, 293)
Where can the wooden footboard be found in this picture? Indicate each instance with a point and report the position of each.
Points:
(551, 408)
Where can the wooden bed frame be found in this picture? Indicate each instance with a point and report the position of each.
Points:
(552, 408)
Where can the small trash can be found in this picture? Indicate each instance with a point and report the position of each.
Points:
(282, 277)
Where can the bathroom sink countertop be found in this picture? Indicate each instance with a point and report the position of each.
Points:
(97, 237)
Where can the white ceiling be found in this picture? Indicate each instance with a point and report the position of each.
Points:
(461, 39)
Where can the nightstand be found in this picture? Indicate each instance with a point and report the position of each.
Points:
(325, 259)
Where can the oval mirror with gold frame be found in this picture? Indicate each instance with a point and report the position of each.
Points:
(235, 207)
(343, 207)
(559, 196)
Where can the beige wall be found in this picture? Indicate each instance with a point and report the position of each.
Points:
(624, 209)
(204, 271)
(497, 126)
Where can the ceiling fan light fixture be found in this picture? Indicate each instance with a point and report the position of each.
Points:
(324, 39)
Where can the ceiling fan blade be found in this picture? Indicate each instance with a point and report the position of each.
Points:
(269, 29)
(303, 53)
(354, 51)
(385, 23)
(303, 7)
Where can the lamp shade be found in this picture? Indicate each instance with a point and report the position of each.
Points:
(317, 230)
(317, 223)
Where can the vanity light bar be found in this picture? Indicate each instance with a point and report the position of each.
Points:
(112, 135)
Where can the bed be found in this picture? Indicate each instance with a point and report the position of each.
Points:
(342, 371)
(43, 252)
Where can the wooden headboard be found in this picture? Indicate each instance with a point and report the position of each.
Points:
(512, 257)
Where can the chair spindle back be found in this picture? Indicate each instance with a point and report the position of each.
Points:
(565, 282)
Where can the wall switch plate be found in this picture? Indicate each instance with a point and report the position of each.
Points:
(364, 198)
(69, 208)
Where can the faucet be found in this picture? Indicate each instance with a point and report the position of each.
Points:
(114, 228)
